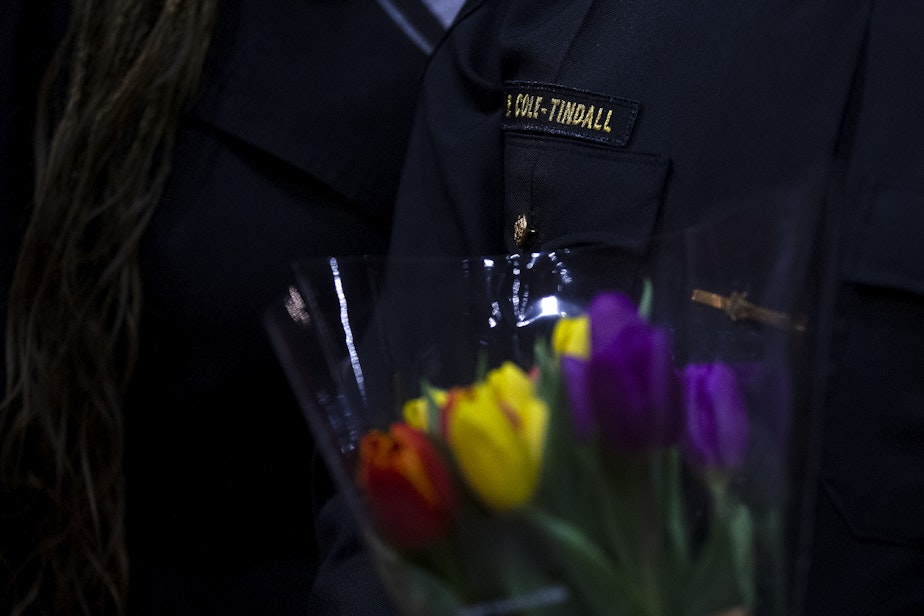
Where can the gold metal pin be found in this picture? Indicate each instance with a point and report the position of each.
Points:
(736, 306)
(521, 230)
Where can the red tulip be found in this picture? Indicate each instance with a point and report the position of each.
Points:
(407, 485)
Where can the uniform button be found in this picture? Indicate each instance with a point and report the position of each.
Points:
(522, 232)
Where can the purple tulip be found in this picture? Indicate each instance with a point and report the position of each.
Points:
(609, 314)
(716, 434)
(574, 371)
(627, 390)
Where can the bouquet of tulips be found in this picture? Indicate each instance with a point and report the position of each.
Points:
(538, 434)
(597, 481)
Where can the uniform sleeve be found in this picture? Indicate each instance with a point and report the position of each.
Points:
(450, 201)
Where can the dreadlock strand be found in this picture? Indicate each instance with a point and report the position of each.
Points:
(76, 295)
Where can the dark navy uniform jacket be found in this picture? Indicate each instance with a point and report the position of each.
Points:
(293, 149)
(551, 124)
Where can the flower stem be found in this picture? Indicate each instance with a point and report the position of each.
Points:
(603, 589)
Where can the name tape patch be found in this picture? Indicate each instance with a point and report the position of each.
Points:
(569, 112)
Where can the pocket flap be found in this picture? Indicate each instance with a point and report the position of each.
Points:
(574, 194)
(890, 241)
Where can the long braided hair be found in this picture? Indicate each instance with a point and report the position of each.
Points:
(108, 114)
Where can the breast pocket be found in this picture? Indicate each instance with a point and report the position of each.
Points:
(561, 192)
(874, 442)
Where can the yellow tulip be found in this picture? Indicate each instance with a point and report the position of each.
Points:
(416, 411)
(496, 430)
(571, 337)
(415, 414)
